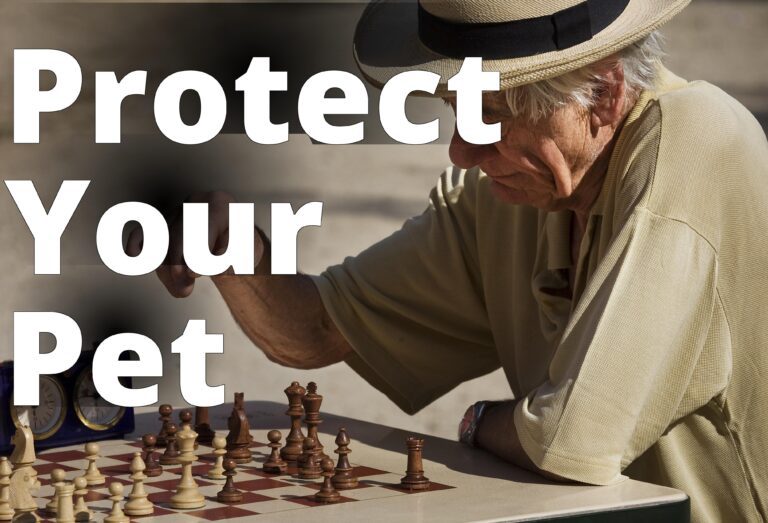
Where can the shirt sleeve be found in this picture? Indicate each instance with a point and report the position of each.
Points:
(625, 367)
(412, 306)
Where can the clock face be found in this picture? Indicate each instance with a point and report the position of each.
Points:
(95, 412)
(46, 418)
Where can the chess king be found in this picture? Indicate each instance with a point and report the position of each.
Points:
(607, 249)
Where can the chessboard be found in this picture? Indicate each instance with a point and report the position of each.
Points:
(263, 493)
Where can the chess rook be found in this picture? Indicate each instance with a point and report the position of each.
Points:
(239, 437)
(274, 463)
(414, 475)
(343, 478)
(65, 512)
(165, 411)
(294, 442)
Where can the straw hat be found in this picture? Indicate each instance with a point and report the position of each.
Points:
(525, 40)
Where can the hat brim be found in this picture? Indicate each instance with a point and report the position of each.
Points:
(387, 43)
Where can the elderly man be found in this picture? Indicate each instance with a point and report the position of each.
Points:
(609, 252)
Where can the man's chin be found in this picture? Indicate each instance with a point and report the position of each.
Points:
(519, 197)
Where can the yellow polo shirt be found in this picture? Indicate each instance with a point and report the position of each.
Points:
(657, 367)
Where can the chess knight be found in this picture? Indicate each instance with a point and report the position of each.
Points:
(604, 242)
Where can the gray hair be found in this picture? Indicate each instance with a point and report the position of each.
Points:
(538, 100)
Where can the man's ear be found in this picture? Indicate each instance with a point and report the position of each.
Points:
(610, 99)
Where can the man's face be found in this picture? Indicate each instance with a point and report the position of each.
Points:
(537, 164)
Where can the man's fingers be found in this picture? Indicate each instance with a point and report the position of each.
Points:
(178, 283)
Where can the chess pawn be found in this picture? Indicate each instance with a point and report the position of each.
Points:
(6, 512)
(275, 463)
(229, 493)
(138, 503)
(310, 469)
(116, 495)
(187, 494)
(343, 478)
(185, 419)
(92, 474)
(65, 509)
(293, 443)
(82, 513)
(327, 494)
(58, 478)
(166, 411)
(171, 454)
(414, 475)
(219, 450)
(153, 467)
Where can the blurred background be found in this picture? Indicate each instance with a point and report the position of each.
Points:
(368, 191)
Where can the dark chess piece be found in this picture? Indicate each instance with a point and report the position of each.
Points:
(153, 467)
(414, 474)
(294, 442)
(171, 454)
(229, 493)
(239, 437)
(343, 478)
(185, 418)
(205, 433)
(311, 402)
(311, 467)
(166, 411)
(327, 493)
(274, 463)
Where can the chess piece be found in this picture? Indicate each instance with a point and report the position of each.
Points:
(343, 478)
(327, 494)
(311, 402)
(138, 503)
(229, 493)
(171, 454)
(58, 478)
(6, 511)
(205, 433)
(165, 411)
(65, 509)
(185, 420)
(294, 442)
(239, 437)
(116, 495)
(414, 474)
(82, 513)
(219, 450)
(274, 463)
(187, 494)
(24, 506)
(153, 468)
(92, 474)
(311, 468)
(23, 455)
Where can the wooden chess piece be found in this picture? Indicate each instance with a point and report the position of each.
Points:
(414, 478)
(153, 468)
(23, 455)
(274, 463)
(311, 402)
(239, 437)
(343, 478)
(58, 478)
(6, 511)
(229, 493)
(22, 502)
(171, 454)
(82, 513)
(116, 495)
(294, 442)
(327, 494)
(92, 474)
(185, 420)
(166, 411)
(219, 450)
(311, 468)
(187, 494)
(205, 433)
(138, 503)
(65, 509)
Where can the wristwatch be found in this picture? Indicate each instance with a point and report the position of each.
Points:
(471, 421)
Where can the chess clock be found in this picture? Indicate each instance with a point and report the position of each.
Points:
(71, 410)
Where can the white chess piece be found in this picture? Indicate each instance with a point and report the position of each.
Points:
(23, 455)
(219, 450)
(138, 503)
(6, 512)
(65, 509)
(82, 513)
(92, 475)
(116, 495)
(58, 477)
(187, 494)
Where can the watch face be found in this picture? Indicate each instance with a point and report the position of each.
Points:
(47, 417)
(94, 412)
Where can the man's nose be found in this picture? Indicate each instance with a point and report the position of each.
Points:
(467, 155)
